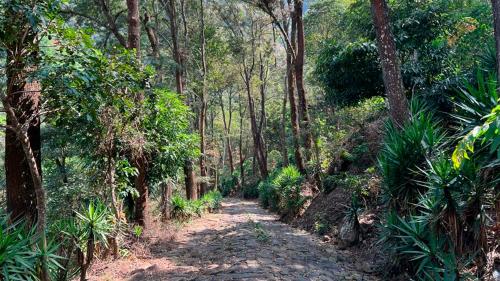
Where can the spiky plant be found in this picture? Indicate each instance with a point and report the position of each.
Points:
(403, 151)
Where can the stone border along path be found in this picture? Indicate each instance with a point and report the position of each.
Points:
(242, 242)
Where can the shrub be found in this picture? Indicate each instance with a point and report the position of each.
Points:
(212, 200)
(403, 151)
(250, 191)
(18, 259)
(228, 184)
(181, 208)
(288, 187)
(267, 195)
(351, 74)
(417, 247)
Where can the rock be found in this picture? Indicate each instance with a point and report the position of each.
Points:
(349, 232)
(327, 238)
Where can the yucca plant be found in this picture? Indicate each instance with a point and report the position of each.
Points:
(473, 103)
(96, 224)
(288, 187)
(403, 151)
(18, 259)
(443, 203)
(423, 251)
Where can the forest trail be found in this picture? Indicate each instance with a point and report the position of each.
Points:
(240, 242)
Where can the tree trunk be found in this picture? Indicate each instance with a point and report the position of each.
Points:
(227, 130)
(284, 148)
(152, 37)
(299, 77)
(262, 165)
(240, 145)
(140, 160)
(134, 26)
(495, 4)
(191, 191)
(203, 107)
(293, 105)
(393, 82)
(141, 203)
(26, 197)
(24, 98)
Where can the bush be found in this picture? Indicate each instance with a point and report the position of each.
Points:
(181, 208)
(351, 74)
(228, 184)
(250, 191)
(212, 200)
(403, 152)
(288, 187)
(18, 259)
(267, 195)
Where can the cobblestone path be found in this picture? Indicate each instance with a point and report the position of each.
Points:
(240, 242)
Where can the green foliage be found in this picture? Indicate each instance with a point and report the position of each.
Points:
(137, 231)
(212, 200)
(321, 225)
(18, 259)
(403, 151)
(95, 221)
(478, 113)
(351, 74)
(282, 191)
(414, 244)
(228, 184)
(180, 208)
(267, 194)
(183, 209)
(250, 191)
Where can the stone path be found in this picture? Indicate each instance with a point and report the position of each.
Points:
(241, 242)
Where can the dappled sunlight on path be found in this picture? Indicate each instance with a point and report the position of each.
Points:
(241, 242)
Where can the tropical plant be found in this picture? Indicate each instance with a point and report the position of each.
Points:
(403, 151)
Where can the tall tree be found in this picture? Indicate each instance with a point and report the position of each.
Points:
(191, 190)
(299, 77)
(294, 115)
(26, 198)
(495, 4)
(203, 101)
(139, 157)
(393, 82)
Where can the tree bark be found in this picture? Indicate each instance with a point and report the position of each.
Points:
(258, 151)
(134, 27)
(141, 203)
(24, 98)
(299, 159)
(393, 82)
(152, 37)
(203, 104)
(227, 130)
(240, 145)
(284, 148)
(191, 191)
(111, 21)
(495, 4)
(299, 77)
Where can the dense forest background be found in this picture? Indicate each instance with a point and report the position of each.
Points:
(120, 114)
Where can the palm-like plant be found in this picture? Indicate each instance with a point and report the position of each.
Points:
(95, 226)
(403, 151)
(17, 258)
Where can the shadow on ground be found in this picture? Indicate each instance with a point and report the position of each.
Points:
(244, 242)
